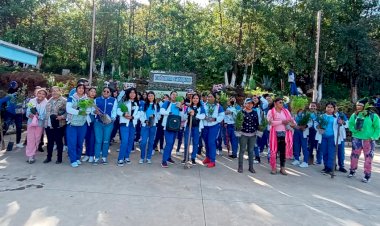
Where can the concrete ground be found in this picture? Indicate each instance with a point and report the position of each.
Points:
(50, 194)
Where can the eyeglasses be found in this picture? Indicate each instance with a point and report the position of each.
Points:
(106, 91)
(280, 102)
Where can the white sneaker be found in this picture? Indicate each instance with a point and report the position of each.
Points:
(118, 150)
(141, 161)
(85, 158)
(153, 152)
(65, 148)
(161, 151)
(149, 161)
(19, 145)
(255, 162)
(217, 152)
(295, 162)
(304, 165)
(55, 147)
(79, 162)
(91, 159)
(178, 153)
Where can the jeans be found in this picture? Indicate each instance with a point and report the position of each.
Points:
(147, 136)
(138, 131)
(312, 143)
(219, 139)
(127, 140)
(210, 134)
(17, 119)
(263, 141)
(54, 135)
(90, 140)
(102, 138)
(195, 134)
(246, 144)
(75, 138)
(300, 142)
(293, 89)
(328, 151)
(116, 127)
(180, 138)
(169, 138)
(230, 132)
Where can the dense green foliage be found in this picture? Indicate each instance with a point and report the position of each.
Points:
(253, 37)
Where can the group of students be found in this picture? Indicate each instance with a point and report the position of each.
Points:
(199, 119)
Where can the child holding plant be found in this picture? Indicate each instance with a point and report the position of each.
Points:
(35, 113)
(301, 131)
(327, 135)
(78, 107)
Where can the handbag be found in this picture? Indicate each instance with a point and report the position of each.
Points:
(173, 123)
(34, 122)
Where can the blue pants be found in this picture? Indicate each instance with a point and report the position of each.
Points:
(341, 155)
(293, 89)
(263, 141)
(159, 136)
(219, 138)
(90, 140)
(17, 119)
(230, 131)
(195, 134)
(210, 134)
(116, 127)
(312, 143)
(300, 142)
(75, 138)
(180, 138)
(127, 140)
(169, 139)
(102, 138)
(328, 151)
(147, 136)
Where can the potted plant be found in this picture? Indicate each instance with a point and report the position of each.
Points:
(239, 123)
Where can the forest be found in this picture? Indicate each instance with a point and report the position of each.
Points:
(234, 42)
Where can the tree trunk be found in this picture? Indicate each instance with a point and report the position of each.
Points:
(226, 78)
(220, 20)
(244, 75)
(234, 73)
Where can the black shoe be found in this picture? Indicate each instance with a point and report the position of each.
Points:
(240, 170)
(47, 161)
(324, 170)
(183, 161)
(343, 170)
(58, 162)
(232, 156)
(170, 160)
(351, 174)
(193, 162)
(40, 149)
(251, 170)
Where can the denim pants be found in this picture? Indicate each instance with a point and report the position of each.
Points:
(210, 134)
(127, 140)
(180, 138)
(75, 137)
(246, 144)
(230, 132)
(341, 155)
(312, 143)
(328, 151)
(300, 142)
(169, 138)
(17, 119)
(90, 140)
(102, 138)
(147, 136)
(195, 134)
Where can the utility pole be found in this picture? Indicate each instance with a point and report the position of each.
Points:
(315, 85)
(92, 41)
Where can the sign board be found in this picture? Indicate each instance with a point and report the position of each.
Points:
(172, 79)
(169, 81)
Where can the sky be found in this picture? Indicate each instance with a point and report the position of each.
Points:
(200, 2)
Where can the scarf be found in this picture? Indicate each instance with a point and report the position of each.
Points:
(273, 140)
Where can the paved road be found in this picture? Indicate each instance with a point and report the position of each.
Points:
(50, 194)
